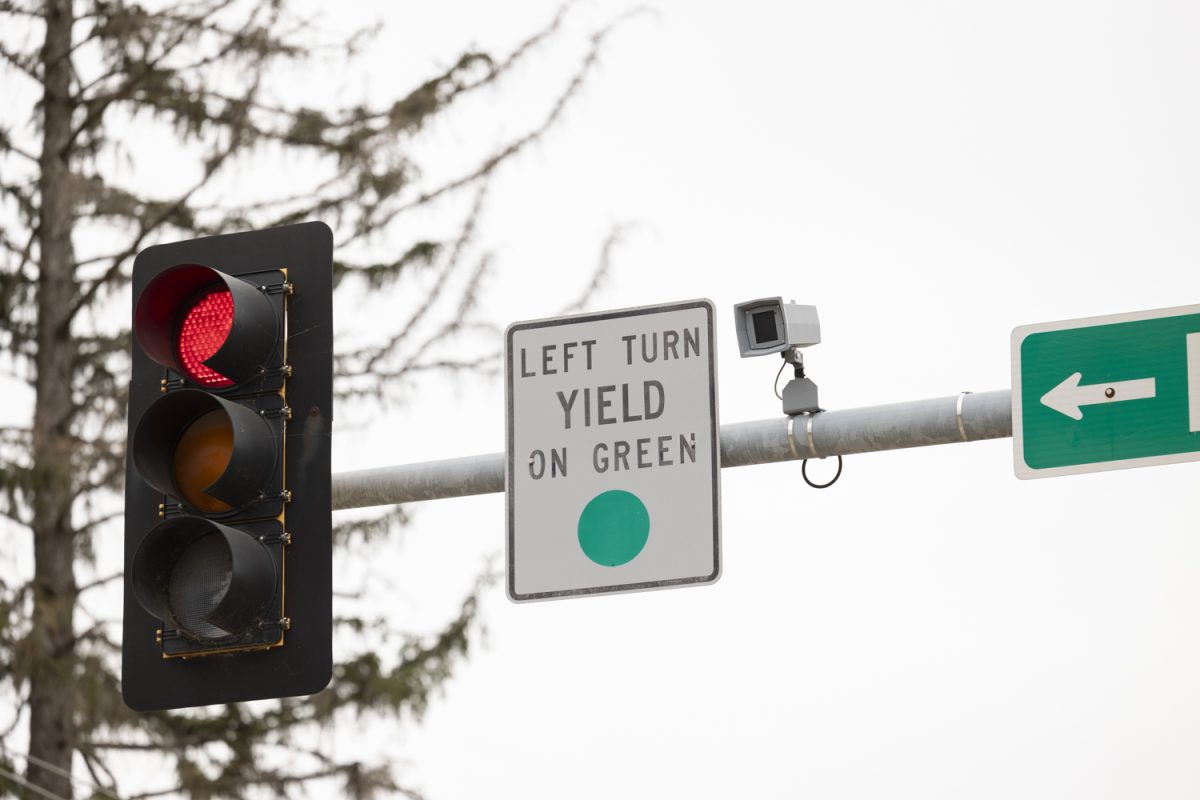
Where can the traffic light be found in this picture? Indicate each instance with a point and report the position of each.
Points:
(227, 505)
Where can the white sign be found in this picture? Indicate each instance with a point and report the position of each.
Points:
(613, 462)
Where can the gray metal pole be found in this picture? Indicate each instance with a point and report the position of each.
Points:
(944, 420)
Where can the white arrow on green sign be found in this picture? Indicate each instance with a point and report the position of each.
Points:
(1106, 392)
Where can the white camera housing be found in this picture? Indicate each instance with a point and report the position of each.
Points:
(770, 325)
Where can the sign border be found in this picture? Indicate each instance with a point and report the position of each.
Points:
(1020, 333)
(509, 466)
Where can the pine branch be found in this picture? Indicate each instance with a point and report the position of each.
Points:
(15, 518)
(600, 273)
(489, 165)
(359, 781)
(7, 146)
(368, 359)
(116, 26)
(356, 139)
(25, 63)
(29, 209)
(366, 530)
(9, 7)
(381, 273)
(310, 126)
(135, 75)
(116, 576)
(457, 323)
(381, 379)
(363, 681)
(488, 363)
(12, 248)
(22, 704)
(90, 526)
(147, 227)
(96, 346)
(106, 788)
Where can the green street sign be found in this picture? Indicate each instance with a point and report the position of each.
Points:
(1106, 392)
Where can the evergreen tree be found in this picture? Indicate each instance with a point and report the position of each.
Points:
(95, 74)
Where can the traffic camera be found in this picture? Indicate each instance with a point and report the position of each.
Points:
(770, 326)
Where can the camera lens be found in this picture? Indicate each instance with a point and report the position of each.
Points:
(765, 328)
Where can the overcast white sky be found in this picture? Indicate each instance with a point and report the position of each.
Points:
(930, 175)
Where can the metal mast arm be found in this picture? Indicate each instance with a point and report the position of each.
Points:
(964, 417)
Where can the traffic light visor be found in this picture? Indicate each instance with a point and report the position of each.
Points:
(208, 580)
(216, 330)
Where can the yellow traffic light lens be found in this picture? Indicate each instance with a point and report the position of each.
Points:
(201, 457)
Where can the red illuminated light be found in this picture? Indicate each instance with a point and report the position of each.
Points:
(205, 328)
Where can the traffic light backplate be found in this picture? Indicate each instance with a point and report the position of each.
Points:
(227, 503)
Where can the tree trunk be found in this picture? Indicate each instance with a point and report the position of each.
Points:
(52, 735)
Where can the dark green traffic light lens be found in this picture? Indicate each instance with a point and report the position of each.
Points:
(199, 582)
(210, 581)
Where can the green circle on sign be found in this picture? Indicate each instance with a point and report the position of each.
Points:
(613, 528)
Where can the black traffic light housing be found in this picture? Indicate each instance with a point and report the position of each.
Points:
(227, 505)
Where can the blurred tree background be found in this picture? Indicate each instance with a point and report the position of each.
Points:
(91, 91)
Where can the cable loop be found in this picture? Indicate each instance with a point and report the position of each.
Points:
(804, 474)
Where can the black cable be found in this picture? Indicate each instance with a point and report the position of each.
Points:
(804, 474)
